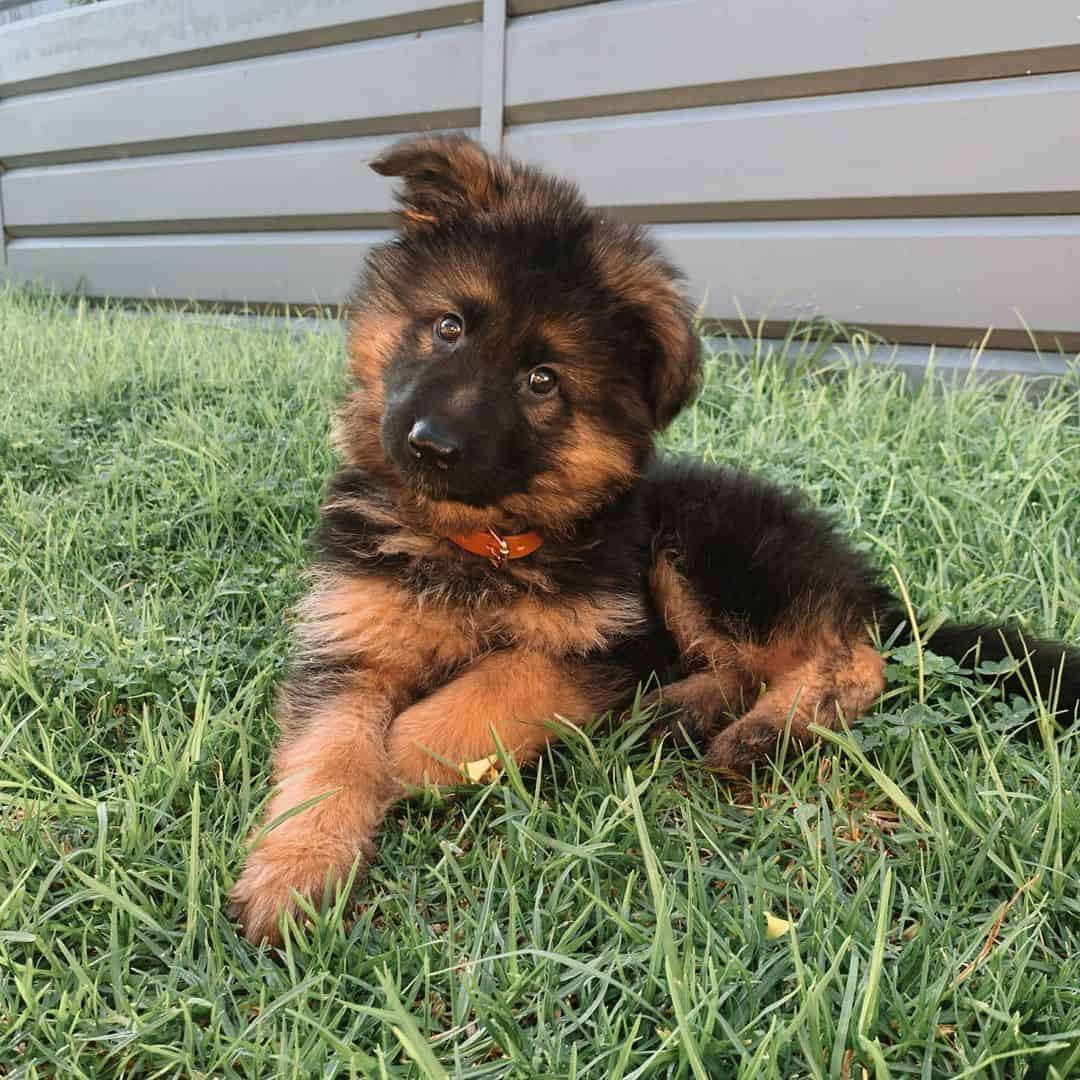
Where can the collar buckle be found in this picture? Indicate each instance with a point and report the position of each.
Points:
(498, 550)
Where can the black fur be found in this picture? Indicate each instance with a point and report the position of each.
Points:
(755, 552)
(1049, 669)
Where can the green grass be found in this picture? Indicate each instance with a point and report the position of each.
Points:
(602, 915)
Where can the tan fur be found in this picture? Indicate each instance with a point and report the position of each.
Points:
(516, 693)
(374, 334)
(391, 629)
(407, 647)
(562, 628)
(356, 431)
(707, 695)
(446, 517)
(590, 469)
(699, 642)
(340, 755)
(565, 337)
(381, 624)
(811, 672)
(414, 219)
(838, 679)
(465, 282)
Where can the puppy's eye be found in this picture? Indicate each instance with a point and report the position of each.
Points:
(542, 381)
(449, 328)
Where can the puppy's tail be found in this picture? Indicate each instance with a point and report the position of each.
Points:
(1049, 670)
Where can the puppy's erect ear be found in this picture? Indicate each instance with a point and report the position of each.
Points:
(446, 178)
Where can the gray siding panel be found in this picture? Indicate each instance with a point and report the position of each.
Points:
(295, 268)
(419, 75)
(15, 11)
(975, 272)
(952, 273)
(585, 56)
(317, 178)
(128, 38)
(921, 142)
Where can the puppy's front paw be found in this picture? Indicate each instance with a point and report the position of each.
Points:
(275, 872)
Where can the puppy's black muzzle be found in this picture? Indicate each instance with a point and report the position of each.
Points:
(432, 446)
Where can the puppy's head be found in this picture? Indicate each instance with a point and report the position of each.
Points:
(513, 352)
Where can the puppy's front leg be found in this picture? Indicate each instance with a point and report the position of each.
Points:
(333, 756)
(515, 693)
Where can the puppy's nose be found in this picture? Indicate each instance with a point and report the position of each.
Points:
(432, 446)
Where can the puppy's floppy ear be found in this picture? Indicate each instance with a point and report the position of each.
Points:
(446, 178)
(676, 368)
(649, 288)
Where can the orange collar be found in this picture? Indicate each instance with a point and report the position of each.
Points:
(498, 550)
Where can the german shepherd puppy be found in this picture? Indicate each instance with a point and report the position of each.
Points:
(502, 551)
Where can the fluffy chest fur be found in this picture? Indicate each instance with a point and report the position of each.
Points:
(422, 638)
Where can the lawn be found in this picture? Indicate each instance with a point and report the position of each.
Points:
(903, 902)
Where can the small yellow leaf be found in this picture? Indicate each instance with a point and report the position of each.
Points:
(774, 927)
(485, 770)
